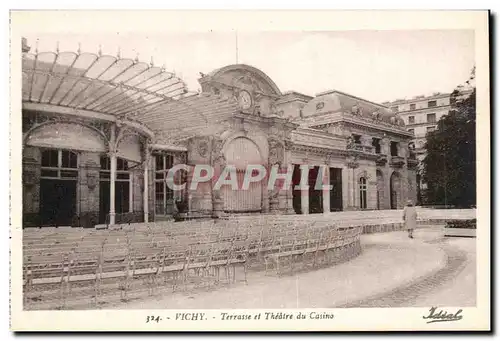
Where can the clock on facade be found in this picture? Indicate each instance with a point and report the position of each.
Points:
(245, 100)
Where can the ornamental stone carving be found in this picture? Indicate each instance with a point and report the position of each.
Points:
(203, 148)
(257, 111)
(218, 157)
(356, 110)
(377, 115)
(180, 158)
(276, 152)
(366, 140)
(364, 174)
(384, 145)
(350, 142)
(352, 162)
(402, 150)
(30, 177)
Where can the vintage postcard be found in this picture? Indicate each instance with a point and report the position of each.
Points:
(250, 171)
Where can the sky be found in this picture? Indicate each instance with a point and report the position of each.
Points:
(376, 65)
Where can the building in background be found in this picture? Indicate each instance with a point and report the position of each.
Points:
(101, 132)
(420, 115)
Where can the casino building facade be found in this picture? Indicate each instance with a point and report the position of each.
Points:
(101, 132)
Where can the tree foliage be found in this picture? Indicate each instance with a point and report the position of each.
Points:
(449, 168)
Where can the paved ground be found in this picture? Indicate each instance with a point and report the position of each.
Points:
(392, 270)
(460, 287)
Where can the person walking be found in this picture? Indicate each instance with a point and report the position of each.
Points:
(410, 218)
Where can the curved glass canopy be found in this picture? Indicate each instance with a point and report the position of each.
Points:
(124, 88)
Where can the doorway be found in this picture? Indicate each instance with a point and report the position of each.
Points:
(58, 186)
(57, 202)
(315, 195)
(241, 152)
(296, 193)
(122, 189)
(395, 188)
(336, 189)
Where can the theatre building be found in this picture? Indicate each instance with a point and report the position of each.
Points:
(101, 132)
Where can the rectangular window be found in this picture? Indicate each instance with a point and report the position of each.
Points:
(169, 161)
(122, 171)
(159, 197)
(122, 176)
(362, 193)
(121, 164)
(68, 159)
(164, 194)
(394, 149)
(431, 118)
(411, 119)
(105, 163)
(431, 104)
(169, 197)
(50, 158)
(69, 174)
(357, 138)
(49, 173)
(159, 162)
(61, 164)
(376, 145)
(413, 106)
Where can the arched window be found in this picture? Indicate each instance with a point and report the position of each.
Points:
(362, 192)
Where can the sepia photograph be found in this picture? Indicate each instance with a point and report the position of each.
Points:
(243, 175)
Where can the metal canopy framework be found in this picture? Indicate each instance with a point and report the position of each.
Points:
(120, 88)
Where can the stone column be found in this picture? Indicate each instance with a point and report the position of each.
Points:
(289, 166)
(385, 150)
(283, 192)
(31, 185)
(326, 189)
(219, 163)
(274, 201)
(89, 189)
(387, 188)
(304, 201)
(145, 198)
(289, 194)
(352, 164)
(345, 188)
(112, 157)
(265, 199)
(304, 193)
(385, 146)
(404, 152)
(366, 142)
(131, 192)
(112, 180)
